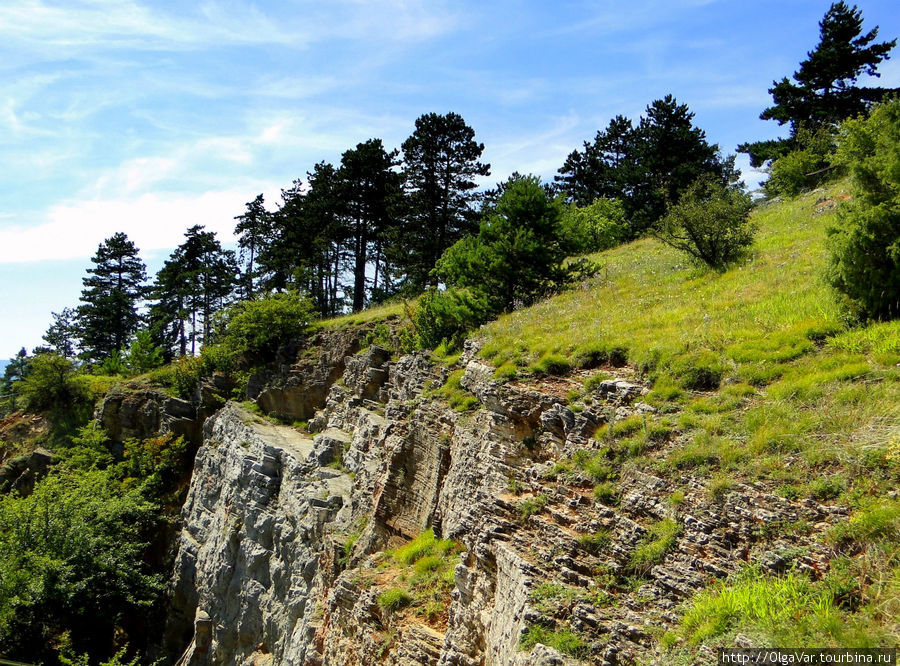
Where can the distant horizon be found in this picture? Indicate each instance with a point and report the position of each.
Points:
(147, 118)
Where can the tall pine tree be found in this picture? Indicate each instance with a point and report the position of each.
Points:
(112, 292)
(824, 90)
(371, 191)
(440, 164)
(254, 230)
(195, 282)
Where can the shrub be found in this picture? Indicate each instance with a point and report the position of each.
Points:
(593, 228)
(445, 317)
(51, 382)
(865, 244)
(143, 355)
(257, 328)
(805, 167)
(711, 223)
(517, 255)
(186, 375)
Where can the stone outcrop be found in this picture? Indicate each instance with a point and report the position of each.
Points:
(20, 473)
(143, 413)
(281, 557)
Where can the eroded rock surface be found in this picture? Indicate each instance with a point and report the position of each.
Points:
(281, 557)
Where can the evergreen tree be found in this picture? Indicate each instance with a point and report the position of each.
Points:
(62, 332)
(112, 291)
(824, 90)
(307, 246)
(517, 255)
(254, 229)
(440, 163)
(195, 282)
(371, 191)
(671, 154)
(647, 167)
(606, 168)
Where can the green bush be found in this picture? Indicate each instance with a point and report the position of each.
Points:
(865, 243)
(51, 382)
(593, 228)
(517, 255)
(186, 376)
(710, 222)
(71, 556)
(143, 355)
(445, 317)
(257, 328)
(805, 167)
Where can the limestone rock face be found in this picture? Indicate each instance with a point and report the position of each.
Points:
(255, 531)
(295, 389)
(147, 413)
(282, 556)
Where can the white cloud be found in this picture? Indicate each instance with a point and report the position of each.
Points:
(154, 221)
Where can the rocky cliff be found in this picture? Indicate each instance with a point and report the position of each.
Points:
(286, 552)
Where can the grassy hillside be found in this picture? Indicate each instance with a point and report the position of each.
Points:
(757, 378)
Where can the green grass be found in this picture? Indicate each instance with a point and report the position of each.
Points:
(674, 318)
(373, 314)
(456, 396)
(788, 610)
(426, 544)
(562, 640)
(394, 599)
(532, 506)
(657, 542)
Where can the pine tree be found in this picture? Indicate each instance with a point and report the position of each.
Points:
(671, 154)
(194, 283)
(440, 164)
(824, 91)
(606, 168)
(254, 230)
(112, 291)
(62, 332)
(371, 189)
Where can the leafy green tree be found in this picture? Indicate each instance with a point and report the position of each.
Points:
(50, 382)
(254, 230)
(71, 560)
(257, 328)
(440, 164)
(711, 223)
(805, 167)
(371, 191)
(824, 90)
(865, 243)
(112, 292)
(595, 227)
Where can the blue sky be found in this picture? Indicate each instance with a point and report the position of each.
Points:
(149, 117)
